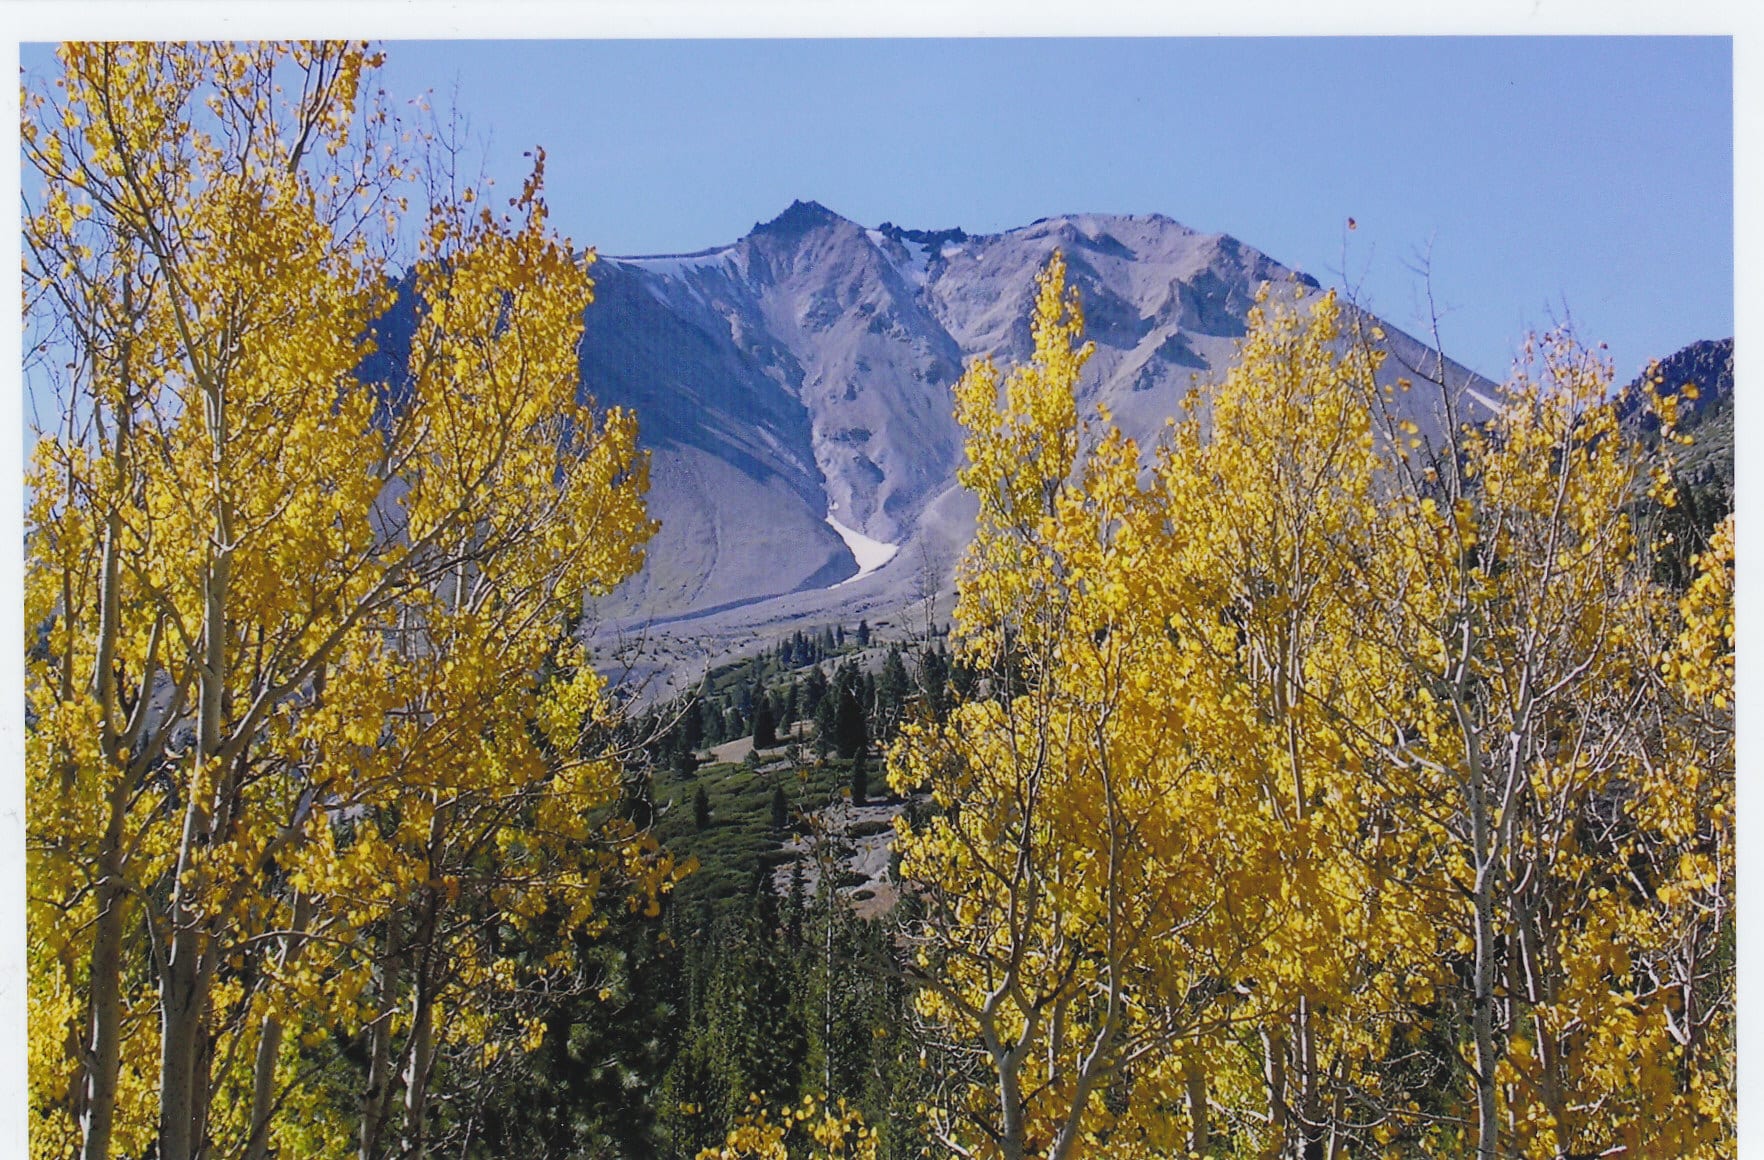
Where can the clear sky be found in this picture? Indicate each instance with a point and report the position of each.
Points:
(1583, 177)
(1587, 176)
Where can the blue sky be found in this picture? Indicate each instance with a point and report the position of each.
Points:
(1588, 176)
(1583, 177)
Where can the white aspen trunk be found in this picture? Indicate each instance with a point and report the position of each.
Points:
(1312, 1131)
(420, 1056)
(104, 1041)
(104, 1045)
(1486, 868)
(182, 997)
(180, 1022)
(1194, 1078)
(1088, 1072)
(416, 1076)
(1482, 983)
(1010, 1102)
(183, 986)
(1274, 1065)
(376, 1099)
(269, 1044)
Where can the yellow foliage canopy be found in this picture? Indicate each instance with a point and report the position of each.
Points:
(307, 714)
(1307, 741)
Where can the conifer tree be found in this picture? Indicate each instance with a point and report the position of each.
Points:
(860, 779)
(826, 719)
(892, 689)
(814, 689)
(934, 683)
(850, 734)
(765, 730)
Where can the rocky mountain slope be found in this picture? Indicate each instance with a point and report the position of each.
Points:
(1708, 366)
(793, 388)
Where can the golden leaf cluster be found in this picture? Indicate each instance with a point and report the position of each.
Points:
(1331, 789)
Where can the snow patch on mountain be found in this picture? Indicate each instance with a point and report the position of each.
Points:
(676, 265)
(869, 554)
(911, 259)
(1482, 398)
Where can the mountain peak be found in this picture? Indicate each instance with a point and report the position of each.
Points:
(797, 219)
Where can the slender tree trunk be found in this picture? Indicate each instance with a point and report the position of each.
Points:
(420, 1051)
(1274, 1063)
(182, 1000)
(269, 1044)
(1482, 1000)
(104, 1044)
(180, 1025)
(376, 1100)
(1010, 1102)
(263, 1084)
(104, 1047)
(1194, 1077)
(183, 990)
(420, 1055)
(1486, 867)
(832, 895)
(1549, 1065)
(1311, 1129)
(416, 1076)
(1089, 1071)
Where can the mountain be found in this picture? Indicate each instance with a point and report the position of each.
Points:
(793, 388)
(1703, 494)
(1708, 366)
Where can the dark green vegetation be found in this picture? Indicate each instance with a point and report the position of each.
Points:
(749, 980)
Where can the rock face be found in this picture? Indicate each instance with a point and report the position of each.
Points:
(801, 376)
(1708, 366)
(1705, 468)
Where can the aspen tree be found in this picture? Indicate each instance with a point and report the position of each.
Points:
(300, 666)
(1269, 495)
(1337, 787)
(1072, 866)
(1511, 583)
